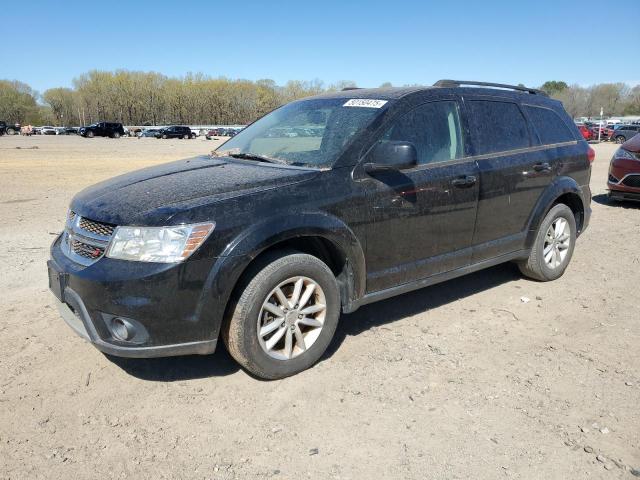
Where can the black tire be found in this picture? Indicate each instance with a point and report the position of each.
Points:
(89, 134)
(535, 266)
(240, 333)
(185, 137)
(620, 139)
(10, 131)
(165, 136)
(116, 135)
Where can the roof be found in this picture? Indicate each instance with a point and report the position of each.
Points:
(389, 93)
(395, 93)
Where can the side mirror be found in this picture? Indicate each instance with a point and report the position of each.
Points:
(391, 155)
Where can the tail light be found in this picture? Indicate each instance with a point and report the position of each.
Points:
(591, 155)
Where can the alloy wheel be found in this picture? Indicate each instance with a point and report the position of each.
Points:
(291, 318)
(556, 243)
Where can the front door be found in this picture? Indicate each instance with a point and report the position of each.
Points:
(424, 217)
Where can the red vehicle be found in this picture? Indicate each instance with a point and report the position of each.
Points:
(586, 132)
(624, 171)
(608, 131)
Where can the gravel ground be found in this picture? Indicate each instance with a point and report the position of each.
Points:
(460, 380)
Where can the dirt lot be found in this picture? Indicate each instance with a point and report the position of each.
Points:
(461, 380)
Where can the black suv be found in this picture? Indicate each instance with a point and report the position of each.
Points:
(264, 243)
(175, 132)
(103, 129)
(9, 129)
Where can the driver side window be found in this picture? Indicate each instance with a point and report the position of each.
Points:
(433, 128)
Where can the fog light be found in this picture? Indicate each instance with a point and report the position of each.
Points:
(121, 329)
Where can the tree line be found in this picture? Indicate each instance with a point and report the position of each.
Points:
(150, 98)
(615, 99)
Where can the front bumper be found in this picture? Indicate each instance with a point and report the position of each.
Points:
(162, 303)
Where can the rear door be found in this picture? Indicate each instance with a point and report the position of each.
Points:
(521, 148)
(423, 218)
(514, 171)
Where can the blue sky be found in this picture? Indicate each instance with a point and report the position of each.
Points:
(403, 42)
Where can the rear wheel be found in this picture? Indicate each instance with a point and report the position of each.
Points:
(553, 246)
(620, 139)
(284, 317)
(10, 131)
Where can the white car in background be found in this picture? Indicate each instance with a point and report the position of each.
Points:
(48, 130)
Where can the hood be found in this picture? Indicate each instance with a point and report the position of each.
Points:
(153, 195)
(633, 144)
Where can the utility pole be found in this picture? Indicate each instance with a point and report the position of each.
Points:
(600, 127)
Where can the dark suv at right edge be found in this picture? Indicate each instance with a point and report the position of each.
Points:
(264, 243)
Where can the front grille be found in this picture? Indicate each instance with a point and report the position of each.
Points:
(632, 181)
(85, 250)
(97, 228)
(85, 240)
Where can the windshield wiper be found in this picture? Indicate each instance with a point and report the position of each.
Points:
(259, 158)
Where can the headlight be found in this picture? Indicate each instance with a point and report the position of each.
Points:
(158, 244)
(625, 154)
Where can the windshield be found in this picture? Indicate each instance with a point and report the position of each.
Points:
(309, 133)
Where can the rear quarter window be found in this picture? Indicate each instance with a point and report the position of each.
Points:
(500, 126)
(548, 125)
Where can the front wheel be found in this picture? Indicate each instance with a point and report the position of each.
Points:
(553, 247)
(284, 317)
(89, 134)
(620, 139)
(116, 135)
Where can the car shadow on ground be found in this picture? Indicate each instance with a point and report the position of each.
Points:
(603, 199)
(172, 369)
(385, 312)
(389, 311)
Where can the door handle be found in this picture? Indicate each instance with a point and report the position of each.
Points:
(542, 167)
(466, 181)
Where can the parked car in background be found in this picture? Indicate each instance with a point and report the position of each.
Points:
(214, 132)
(264, 244)
(175, 131)
(68, 131)
(48, 130)
(624, 171)
(585, 131)
(622, 133)
(103, 129)
(9, 128)
(148, 132)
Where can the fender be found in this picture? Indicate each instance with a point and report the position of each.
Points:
(239, 253)
(556, 189)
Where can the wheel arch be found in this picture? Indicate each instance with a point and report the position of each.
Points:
(564, 190)
(321, 235)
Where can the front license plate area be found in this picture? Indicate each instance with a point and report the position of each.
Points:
(57, 282)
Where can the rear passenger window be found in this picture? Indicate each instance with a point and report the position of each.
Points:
(550, 127)
(500, 125)
(433, 128)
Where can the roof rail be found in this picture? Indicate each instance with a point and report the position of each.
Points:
(345, 89)
(459, 83)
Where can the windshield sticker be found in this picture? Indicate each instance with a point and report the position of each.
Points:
(365, 102)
